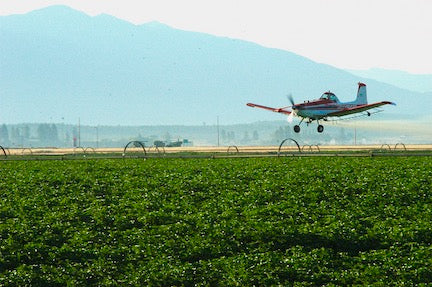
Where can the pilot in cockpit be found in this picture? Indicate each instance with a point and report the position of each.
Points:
(329, 96)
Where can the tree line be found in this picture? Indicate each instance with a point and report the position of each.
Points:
(30, 135)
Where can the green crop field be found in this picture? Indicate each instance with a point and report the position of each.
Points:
(225, 222)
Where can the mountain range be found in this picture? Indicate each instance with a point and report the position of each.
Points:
(421, 83)
(59, 65)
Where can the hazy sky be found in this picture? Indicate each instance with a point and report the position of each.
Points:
(353, 34)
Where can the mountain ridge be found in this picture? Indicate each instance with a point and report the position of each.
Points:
(421, 83)
(65, 64)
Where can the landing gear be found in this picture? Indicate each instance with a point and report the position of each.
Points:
(297, 127)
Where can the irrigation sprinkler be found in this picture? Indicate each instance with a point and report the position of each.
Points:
(157, 149)
(280, 146)
(310, 147)
(3, 151)
(136, 144)
(79, 147)
(234, 147)
(385, 145)
(24, 149)
(400, 144)
(89, 148)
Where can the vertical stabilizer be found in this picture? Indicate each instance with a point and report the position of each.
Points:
(361, 95)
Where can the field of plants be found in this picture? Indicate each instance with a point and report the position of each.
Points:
(223, 222)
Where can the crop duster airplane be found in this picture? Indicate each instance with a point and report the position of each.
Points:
(327, 106)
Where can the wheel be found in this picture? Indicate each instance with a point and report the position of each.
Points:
(297, 128)
(320, 128)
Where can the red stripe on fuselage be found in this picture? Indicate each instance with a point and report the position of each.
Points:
(315, 103)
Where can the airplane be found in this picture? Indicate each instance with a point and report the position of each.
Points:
(327, 106)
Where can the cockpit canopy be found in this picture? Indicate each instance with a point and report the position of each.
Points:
(329, 96)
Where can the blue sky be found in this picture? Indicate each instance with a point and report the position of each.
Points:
(351, 34)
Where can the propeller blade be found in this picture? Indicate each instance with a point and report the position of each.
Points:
(291, 99)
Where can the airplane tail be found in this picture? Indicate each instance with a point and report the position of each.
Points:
(361, 95)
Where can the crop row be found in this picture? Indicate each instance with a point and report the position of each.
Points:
(216, 221)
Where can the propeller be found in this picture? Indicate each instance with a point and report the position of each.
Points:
(293, 113)
(291, 99)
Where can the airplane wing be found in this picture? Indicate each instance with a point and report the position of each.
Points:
(276, 110)
(358, 109)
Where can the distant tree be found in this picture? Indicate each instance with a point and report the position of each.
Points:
(281, 133)
(67, 139)
(15, 136)
(26, 132)
(53, 134)
(223, 135)
(4, 135)
(246, 138)
(47, 134)
(255, 136)
(342, 135)
(139, 137)
(41, 133)
(231, 135)
(278, 135)
(287, 131)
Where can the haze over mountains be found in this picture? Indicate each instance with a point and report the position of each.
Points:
(58, 65)
(415, 82)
